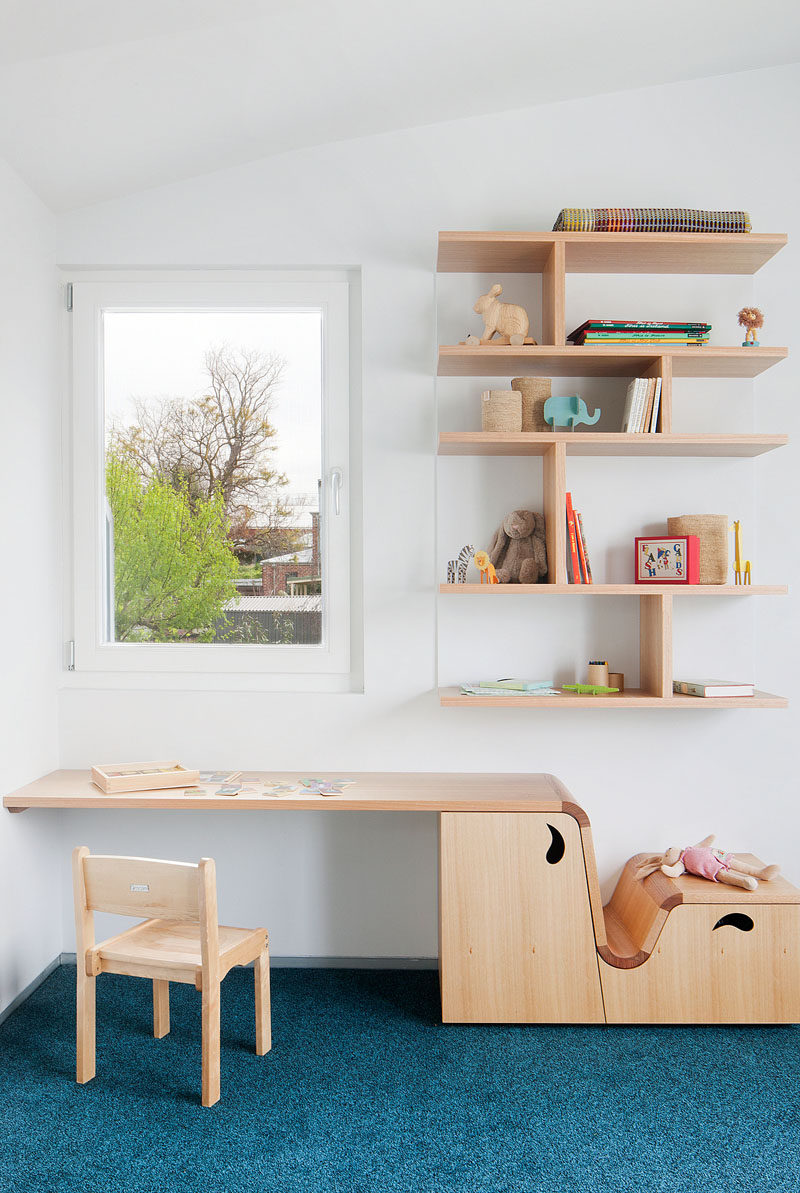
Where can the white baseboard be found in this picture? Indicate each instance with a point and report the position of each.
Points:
(275, 963)
(311, 963)
(34, 985)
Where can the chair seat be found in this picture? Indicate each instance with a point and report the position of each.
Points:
(170, 949)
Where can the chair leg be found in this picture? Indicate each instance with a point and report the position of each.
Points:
(160, 1008)
(210, 1044)
(263, 1028)
(85, 1065)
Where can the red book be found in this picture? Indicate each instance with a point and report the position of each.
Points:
(587, 579)
(572, 545)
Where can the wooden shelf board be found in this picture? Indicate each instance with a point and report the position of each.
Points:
(678, 590)
(608, 252)
(626, 360)
(592, 443)
(631, 698)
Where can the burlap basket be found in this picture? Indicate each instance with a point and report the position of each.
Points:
(712, 530)
(535, 392)
(501, 410)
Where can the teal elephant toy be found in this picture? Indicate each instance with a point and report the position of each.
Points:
(568, 412)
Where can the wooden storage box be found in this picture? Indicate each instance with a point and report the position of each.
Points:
(142, 776)
(707, 952)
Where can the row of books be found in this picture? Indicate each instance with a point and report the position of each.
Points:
(642, 405)
(579, 569)
(640, 331)
(650, 219)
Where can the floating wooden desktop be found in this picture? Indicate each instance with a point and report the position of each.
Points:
(523, 935)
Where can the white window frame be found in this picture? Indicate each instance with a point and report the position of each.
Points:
(324, 667)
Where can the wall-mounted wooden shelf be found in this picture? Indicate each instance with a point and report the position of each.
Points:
(592, 443)
(634, 698)
(640, 590)
(567, 360)
(607, 252)
(554, 255)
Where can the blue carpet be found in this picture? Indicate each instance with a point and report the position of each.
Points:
(364, 1090)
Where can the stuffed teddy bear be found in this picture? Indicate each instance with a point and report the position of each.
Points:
(706, 862)
(518, 549)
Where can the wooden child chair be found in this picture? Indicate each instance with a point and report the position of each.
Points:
(182, 942)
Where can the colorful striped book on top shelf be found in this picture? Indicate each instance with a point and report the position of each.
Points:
(639, 331)
(650, 219)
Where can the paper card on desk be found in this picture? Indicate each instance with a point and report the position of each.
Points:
(326, 786)
(220, 776)
(281, 789)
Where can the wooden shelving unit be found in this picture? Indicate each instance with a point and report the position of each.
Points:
(630, 698)
(607, 252)
(592, 443)
(546, 360)
(497, 591)
(554, 255)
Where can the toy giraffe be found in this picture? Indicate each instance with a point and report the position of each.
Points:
(737, 564)
(486, 568)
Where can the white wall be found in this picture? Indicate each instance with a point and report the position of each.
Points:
(30, 891)
(347, 884)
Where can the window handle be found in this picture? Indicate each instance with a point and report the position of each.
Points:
(337, 480)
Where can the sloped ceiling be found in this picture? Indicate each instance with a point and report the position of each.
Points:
(101, 98)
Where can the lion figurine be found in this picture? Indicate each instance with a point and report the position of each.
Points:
(752, 319)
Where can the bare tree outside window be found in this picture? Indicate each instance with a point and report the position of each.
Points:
(208, 522)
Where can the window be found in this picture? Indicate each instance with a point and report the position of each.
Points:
(211, 506)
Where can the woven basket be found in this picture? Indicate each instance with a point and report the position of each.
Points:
(535, 392)
(501, 410)
(712, 530)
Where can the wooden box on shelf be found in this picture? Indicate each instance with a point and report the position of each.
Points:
(113, 777)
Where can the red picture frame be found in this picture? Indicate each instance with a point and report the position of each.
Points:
(667, 559)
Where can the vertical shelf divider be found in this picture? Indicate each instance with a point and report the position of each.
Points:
(554, 488)
(662, 367)
(655, 644)
(554, 329)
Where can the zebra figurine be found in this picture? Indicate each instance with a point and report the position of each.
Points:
(458, 567)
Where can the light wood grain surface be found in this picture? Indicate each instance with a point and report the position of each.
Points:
(516, 939)
(604, 443)
(678, 590)
(623, 360)
(608, 252)
(451, 697)
(373, 791)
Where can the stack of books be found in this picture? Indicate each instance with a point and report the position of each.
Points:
(640, 331)
(650, 219)
(579, 569)
(712, 688)
(642, 405)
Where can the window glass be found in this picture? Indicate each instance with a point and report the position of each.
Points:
(213, 457)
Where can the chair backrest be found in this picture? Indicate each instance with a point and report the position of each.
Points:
(141, 886)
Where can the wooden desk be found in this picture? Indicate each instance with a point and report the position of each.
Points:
(523, 936)
(494, 833)
(371, 792)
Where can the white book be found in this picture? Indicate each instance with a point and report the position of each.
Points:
(656, 404)
(630, 395)
(639, 404)
(630, 400)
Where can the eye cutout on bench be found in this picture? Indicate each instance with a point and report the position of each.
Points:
(557, 847)
(736, 919)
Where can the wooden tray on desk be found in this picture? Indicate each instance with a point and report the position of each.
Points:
(114, 777)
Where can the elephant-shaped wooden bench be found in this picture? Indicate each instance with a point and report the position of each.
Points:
(525, 938)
